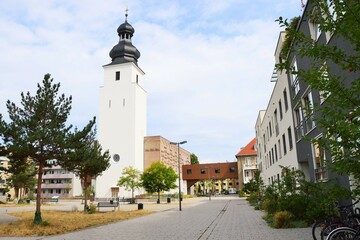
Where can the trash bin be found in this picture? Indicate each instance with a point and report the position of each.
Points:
(168, 200)
(27, 201)
(140, 206)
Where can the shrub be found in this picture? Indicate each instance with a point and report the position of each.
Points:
(270, 205)
(241, 193)
(282, 219)
(91, 209)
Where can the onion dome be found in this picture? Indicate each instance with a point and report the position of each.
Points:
(124, 51)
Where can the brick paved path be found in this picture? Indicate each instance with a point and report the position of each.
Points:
(220, 218)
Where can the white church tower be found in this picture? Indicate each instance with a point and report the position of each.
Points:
(122, 114)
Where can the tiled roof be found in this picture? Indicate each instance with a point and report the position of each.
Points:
(249, 149)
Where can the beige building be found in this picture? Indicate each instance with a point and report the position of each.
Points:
(5, 163)
(157, 148)
(246, 163)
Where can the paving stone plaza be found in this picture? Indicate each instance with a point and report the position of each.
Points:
(225, 217)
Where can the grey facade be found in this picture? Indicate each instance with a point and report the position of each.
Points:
(309, 155)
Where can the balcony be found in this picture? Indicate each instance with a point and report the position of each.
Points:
(249, 166)
(321, 174)
(55, 185)
(58, 176)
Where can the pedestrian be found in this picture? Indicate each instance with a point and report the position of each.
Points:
(8, 197)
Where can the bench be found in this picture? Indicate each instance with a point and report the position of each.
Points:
(55, 200)
(113, 204)
(129, 200)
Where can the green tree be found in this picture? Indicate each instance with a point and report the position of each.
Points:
(158, 177)
(335, 74)
(37, 130)
(85, 157)
(130, 179)
(194, 159)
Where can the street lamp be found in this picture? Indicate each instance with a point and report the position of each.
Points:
(178, 145)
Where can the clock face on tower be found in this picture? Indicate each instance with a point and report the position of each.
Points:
(116, 158)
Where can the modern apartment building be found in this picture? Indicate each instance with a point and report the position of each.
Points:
(57, 181)
(275, 128)
(305, 100)
(247, 164)
(157, 148)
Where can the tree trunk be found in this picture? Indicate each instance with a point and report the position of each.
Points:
(85, 194)
(158, 201)
(37, 218)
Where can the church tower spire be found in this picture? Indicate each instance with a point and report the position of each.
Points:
(122, 114)
(124, 51)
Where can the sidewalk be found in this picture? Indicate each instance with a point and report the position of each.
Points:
(220, 218)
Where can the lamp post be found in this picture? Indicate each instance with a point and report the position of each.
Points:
(178, 146)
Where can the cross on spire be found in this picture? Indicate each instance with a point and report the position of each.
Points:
(126, 13)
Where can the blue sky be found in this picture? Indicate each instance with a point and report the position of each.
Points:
(208, 63)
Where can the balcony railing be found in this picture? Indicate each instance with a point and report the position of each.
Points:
(56, 185)
(304, 127)
(249, 166)
(321, 174)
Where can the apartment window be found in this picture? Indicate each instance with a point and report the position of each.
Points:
(232, 169)
(294, 78)
(270, 129)
(285, 100)
(247, 161)
(325, 78)
(314, 25)
(284, 143)
(308, 111)
(202, 171)
(320, 162)
(58, 191)
(188, 171)
(279, 148)
(276, 154)
(290, 138)
(272, 155)
(137, 78)
(280, 110)
(217, 170)
(276, 123)
(270, 160)
(299, 128)
(117, 75)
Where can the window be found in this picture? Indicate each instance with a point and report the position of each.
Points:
(270, 161)
(324, 78)
(284, 143)
(270, 129)
(217, 170)
(279, 148)
(188, 171)
(314, 25)
(276, 154)
(319, 162)
(232, 169)
(137, 78)
(290, 138)
(247, 161)
(202, 171)
(285, 100)
(117, 75)
(58, 191)
(280, 110)
(299, 128)
(294, 78)
(276, 123)
(308, 111)
(272, 155)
